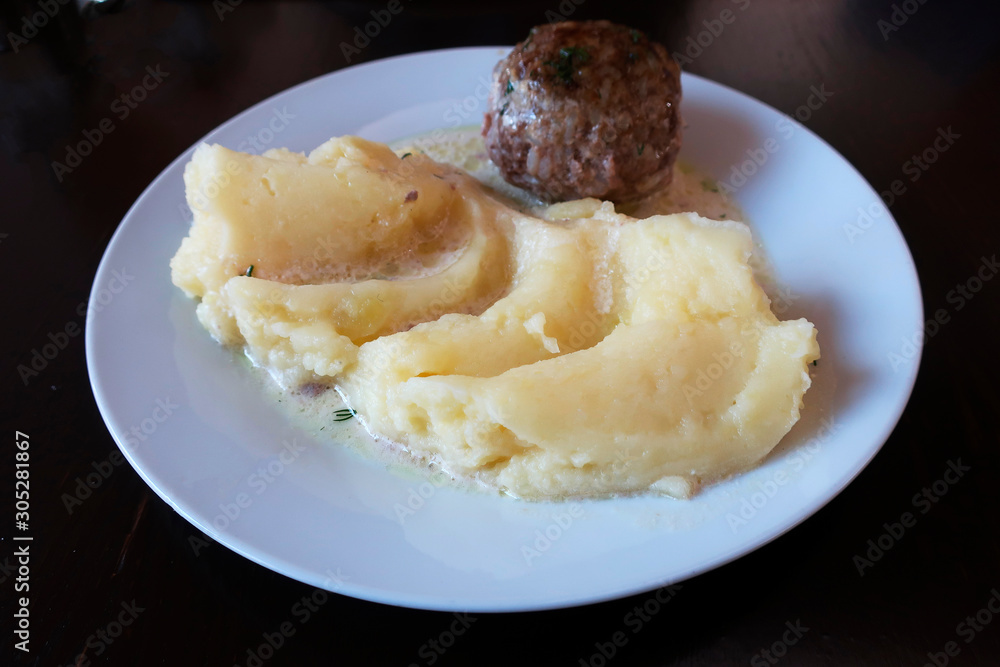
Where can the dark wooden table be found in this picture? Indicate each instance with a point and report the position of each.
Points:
(117, 581)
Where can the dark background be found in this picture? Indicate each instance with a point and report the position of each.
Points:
(891, 94)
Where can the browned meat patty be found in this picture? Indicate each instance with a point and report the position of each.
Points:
(585, 109)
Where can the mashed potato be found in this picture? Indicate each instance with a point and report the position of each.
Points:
(582, 352)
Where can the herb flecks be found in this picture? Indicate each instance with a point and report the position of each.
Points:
(405, 155)
(709, 186)
(642, 147)
(509, 89)
(635, 34)
(570, 57)
(249, 271)
(343, 415)
(503, 109)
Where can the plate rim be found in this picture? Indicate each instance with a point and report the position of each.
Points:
(279, 564)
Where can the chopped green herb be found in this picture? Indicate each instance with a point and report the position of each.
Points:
(503, 109)
(249, 271)
(709, 186)
(642, 147)
(723, 215)
(635, 36)
(814, 362)
(405, 155)
(343, 415)
(509, 89)
(569, 58)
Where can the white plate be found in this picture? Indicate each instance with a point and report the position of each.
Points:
(330, 518)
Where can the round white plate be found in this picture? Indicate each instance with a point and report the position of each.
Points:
(191, 421)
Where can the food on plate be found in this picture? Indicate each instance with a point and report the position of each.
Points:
(330, 223)
(585, 109)
(576, 352)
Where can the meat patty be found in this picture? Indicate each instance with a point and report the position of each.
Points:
(585, 109)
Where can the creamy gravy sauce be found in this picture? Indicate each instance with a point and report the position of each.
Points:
(690, 190)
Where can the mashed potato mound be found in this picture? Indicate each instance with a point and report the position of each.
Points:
(579, 353)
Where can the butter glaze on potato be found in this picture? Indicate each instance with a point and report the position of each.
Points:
(581, 353)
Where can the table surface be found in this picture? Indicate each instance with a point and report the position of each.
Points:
(897, 73)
